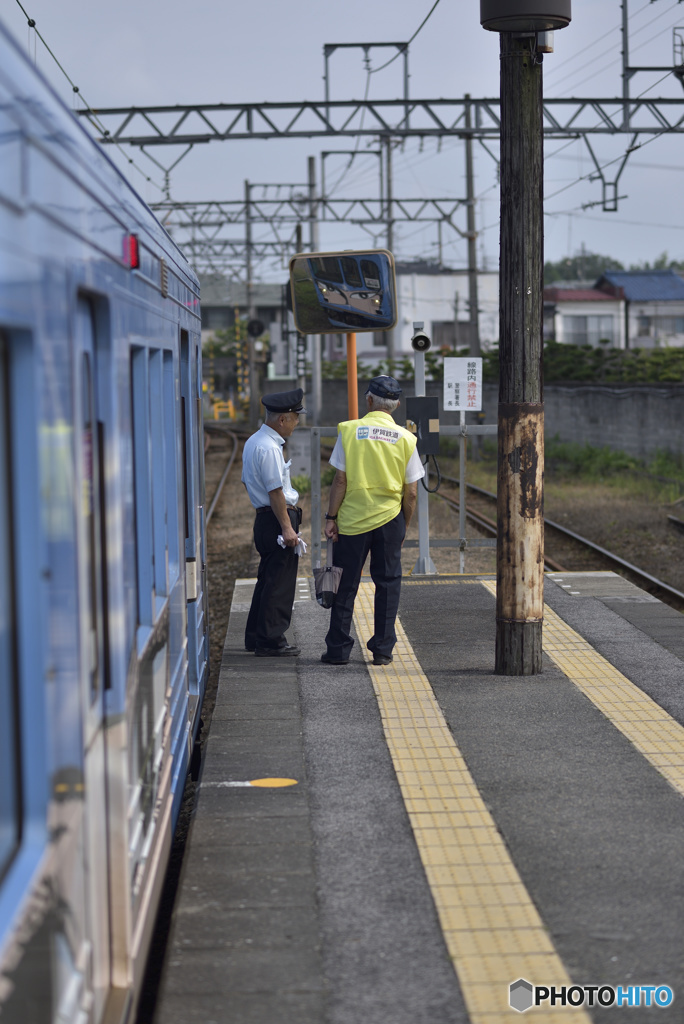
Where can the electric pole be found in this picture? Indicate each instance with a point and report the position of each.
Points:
(520, 502)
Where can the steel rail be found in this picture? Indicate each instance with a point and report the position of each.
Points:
(609, 555)
(490, 526)
(229, 466)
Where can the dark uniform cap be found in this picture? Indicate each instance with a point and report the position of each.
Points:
(384, 387)
(284, 401)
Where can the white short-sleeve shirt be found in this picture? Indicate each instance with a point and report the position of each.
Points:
(415, 469)
(264, 468)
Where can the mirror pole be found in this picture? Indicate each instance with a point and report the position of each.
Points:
(352, 383)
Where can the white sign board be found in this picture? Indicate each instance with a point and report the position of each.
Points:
(462, 384)
(299, 450)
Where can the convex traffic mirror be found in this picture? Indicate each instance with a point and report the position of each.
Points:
(343, 291)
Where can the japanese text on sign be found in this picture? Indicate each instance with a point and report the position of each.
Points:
(462, 384)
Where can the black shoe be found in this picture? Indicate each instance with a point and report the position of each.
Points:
(328, 660)
(250, 649)
(288, 651)
(382, 659)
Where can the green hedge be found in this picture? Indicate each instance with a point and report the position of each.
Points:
(561, 363)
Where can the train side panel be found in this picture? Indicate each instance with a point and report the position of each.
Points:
(103, 652)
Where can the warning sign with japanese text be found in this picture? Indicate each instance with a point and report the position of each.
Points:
(462, 384)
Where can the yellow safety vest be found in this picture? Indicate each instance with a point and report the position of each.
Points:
(376, 452)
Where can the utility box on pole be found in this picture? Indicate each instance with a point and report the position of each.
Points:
(524, 27)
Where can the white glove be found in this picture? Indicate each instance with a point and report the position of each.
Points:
(300, 546)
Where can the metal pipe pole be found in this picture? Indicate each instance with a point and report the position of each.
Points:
(424, 565)
(316, 340)
(626, 74)
(254, 398)
(389, 335)
(462, 489)
(520, 547)
(473, 298)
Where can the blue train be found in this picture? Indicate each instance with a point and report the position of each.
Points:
(103, 618)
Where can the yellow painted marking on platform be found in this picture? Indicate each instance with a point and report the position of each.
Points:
(273, 783)
(491, 927)
(410, 581)
(654, 733)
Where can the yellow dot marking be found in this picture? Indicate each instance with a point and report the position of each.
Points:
(61, 787)
(492, 929)
(654, 733)
(272, 783)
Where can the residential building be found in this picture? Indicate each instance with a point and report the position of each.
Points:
(625, 309)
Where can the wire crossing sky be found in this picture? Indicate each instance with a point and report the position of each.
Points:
(140, 53)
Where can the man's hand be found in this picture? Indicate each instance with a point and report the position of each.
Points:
(279, 506)
(409, 499)
(338, 489)
(289, 536)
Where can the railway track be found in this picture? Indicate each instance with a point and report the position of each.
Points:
(232, 437)
(603, 556)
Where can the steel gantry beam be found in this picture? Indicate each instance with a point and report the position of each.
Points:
(218, 122)
(294, 210)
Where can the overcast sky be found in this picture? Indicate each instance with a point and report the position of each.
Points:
(144, 52)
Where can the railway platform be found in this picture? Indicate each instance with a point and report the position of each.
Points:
(400, 845)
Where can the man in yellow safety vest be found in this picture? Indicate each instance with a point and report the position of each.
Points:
(372, 499)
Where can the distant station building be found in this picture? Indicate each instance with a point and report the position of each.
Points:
(622, 309)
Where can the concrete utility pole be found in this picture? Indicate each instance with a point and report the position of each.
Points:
(520, 542)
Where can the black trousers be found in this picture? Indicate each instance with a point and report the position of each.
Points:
(273, 598)
(350, 552)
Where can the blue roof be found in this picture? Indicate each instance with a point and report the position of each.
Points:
(645, 285)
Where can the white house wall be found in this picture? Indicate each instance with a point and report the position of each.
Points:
(430, 297)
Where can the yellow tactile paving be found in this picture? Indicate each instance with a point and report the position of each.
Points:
(492, 929)
(654, 733)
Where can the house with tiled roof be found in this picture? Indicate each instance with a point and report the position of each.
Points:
(623, 309)
(653, 306)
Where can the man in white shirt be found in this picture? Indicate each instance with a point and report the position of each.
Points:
(266, 476)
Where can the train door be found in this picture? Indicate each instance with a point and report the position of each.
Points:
(193, 476)
(94, 650)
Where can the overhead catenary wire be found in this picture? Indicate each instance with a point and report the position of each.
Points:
(425, 20)
(91, 115)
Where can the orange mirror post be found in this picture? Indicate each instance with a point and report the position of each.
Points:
(352, 385)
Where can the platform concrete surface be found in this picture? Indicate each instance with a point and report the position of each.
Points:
(450, 830)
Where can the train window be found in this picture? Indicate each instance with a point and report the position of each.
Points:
(185, 427)
(371, 273)
(351, 272)
(9, 754)
(88, 499)
(328, 268)
(157, 468)
(171, 458)
(142, 484)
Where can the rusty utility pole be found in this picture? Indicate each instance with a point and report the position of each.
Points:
(526, 32)
(520, 509)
